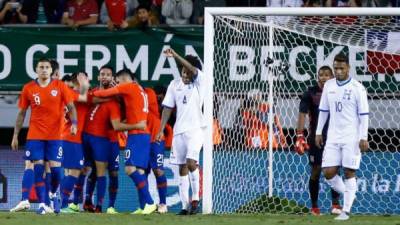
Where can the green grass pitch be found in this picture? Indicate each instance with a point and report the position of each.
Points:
(156, 219)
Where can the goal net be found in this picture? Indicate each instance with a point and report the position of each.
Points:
(261, 66)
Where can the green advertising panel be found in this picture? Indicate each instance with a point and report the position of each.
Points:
(239, 60)
(90, 48)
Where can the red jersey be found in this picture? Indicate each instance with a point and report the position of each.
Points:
(135, 100)
(153, 102)
(168, 134)
(81, 111)
(83, 11)
(116, 10)
(98, 120)
(153, 124)
(47, 108)
(153, 119)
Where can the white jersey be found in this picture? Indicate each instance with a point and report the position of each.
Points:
(346, 104)
(188, 100)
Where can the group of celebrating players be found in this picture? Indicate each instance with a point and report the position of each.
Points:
(76, 132)
(79, 129)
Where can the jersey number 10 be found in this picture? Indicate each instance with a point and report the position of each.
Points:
(338, 106)
(145, 102)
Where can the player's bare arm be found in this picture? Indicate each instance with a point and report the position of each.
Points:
(319, 142)
(120, 126)
(74, 118)
(18, 125)
(171, 53)
(166, 113)
(83, 87)
(301, 121)
(364, 145)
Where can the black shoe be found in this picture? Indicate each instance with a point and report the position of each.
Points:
(89, 207)
(195, 208)
(183, 212)
(98, 209)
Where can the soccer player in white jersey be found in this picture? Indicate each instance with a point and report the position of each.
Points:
(345, 101)
(186, 94)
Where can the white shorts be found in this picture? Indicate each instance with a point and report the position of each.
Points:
(344, 155)
(186, 145)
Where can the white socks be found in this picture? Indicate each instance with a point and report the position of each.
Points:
(195, 183)
(349, 193)
(184, 191)
(337, 184)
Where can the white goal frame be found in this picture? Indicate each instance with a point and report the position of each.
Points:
(209, 15)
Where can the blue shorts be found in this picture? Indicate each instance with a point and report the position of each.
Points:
(44, 150)
(73, 155)
(157, 155)
(113, 161)
(99, 146)
(87, 151)
(137, 151)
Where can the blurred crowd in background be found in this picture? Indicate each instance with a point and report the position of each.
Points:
(123, 14)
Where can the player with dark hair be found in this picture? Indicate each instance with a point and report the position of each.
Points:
(56, 70)
(186, 94)
(72, 144)
(345, 101)
(46, 98)
(137, 151)
(309, 106)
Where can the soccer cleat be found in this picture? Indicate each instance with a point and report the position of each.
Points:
(183, 212)
(73, 207)
(138, 211)
(41, 210)
(336, 210)
(67, 210)
(48, 209)
(194, 209)
(149, 209)
(89, 207)
(315, 211)
(111, 210)
(343, 216)
(162, 209)
(98, 209)
(22, 205)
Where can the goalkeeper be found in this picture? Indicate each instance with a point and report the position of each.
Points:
(309, 105)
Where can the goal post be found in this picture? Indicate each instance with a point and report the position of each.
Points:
(254, 170)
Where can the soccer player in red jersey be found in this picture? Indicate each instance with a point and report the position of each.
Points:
(46, 98)
(137, 151)
(157, 150)
(27, 179)
(101, 121)
(72, 144)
